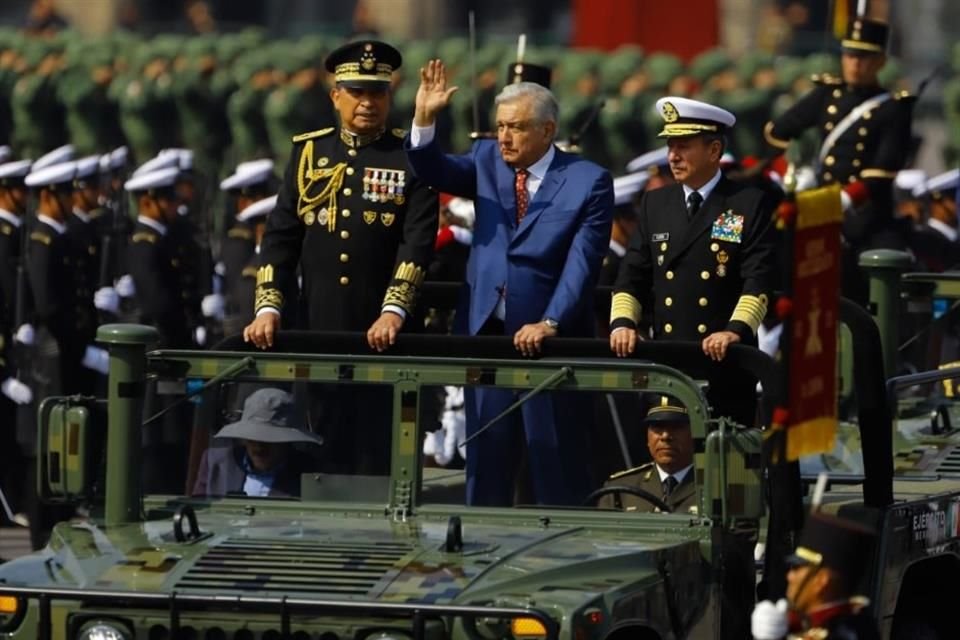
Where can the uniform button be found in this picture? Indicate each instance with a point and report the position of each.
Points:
(668, 328)
(867, 115)
(669, 275)
(668, 301)
(663, 246)
(344, 235)
(837, 93)
(352, 152)
(703, 302)
(852, 179)
(344, 257)
(862, 131)
(827, 176)
(350, 171)
(860, 146)
(704, 275)
(714, 247)
(701, 328)
(828, 126)
(344, 280)
(829, 160)
(832, 109)
(857, 163)
(348, 191)
(345, 213)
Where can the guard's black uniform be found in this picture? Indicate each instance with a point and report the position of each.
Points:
(12, 462)
(359, 224)
(934, 250)
(710, 273)
(848, 620)
(155, 267)
(239, 258)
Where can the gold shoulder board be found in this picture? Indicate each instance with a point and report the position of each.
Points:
(240, 232)
(628, 472)
(144, 236)
(312, 134)
(39, 236)
(400, 133)
(904, 95)
(825, 78)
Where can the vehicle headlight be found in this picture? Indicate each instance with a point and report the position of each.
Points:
(103, 631)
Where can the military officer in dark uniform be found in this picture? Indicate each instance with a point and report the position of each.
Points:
(821, 602)
(936, 244)
(866, 135)
(350, 213)
(361, 228)
(240, 278)
(702, 256)
(627, 192)
(670, 475)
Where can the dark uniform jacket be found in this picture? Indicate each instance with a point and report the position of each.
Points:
(155, 267)
(873, 149)
(708, 274)
(683, 498)
(239, 257)
(358, 223)
(844, 621)
(9, 258)
(84, 237)
(933, 250)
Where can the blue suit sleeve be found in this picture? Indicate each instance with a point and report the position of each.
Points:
(446, 173)
(586, 254)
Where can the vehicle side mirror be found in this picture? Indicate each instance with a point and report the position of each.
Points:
(733, 482)
(64, 456)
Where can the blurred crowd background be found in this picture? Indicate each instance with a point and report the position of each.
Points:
(234, 80)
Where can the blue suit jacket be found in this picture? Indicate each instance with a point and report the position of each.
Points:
(550, 263)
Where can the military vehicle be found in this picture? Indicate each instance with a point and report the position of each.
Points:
(400, 556)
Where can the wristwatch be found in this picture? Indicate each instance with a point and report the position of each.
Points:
(550, 322)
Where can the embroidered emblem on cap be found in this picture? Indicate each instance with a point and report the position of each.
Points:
(670, 113)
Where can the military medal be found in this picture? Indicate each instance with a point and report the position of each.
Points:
(323, 217)
(727, 227)
(367, 183)
(308, 218)
(369, 217)
(722, 258)
(383, 186)
(401, 183)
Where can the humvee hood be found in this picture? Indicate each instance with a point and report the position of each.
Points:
(358, 558)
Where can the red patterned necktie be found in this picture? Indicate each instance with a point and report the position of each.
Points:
(523, 199)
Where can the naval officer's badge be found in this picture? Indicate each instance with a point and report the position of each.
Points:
(727, 227)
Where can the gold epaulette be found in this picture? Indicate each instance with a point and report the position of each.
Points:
(312, 134)
(144, 236)
(400, 133)
(628, 472)
(240, 232)
(39, 236)
(826, 78)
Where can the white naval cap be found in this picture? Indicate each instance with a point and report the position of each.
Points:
(626, 187)
(938, 184)
(184, 157)
(88, 166)
(5, 152)
(56, 174)
(248, 174)
(58, 155)
(649, 160)
(686, 117)
(258, 209)
(158, 179)
(116, 159)
(909, 179)
(160, 162)
(15, 171)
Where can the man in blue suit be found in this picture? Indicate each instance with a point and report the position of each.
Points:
(543, 221)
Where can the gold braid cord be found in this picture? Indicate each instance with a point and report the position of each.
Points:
(403, 291)
(307, 178)
(267, 297)
(750, 310)
(624, 305)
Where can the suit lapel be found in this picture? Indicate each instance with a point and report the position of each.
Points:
(553, 180)
(703, 221)
(683, 491)
(506, 181)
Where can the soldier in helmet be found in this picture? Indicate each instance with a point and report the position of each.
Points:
(865, 133)
(361, 228)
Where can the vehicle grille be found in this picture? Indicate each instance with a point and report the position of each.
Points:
(336, 568)
(951, 462)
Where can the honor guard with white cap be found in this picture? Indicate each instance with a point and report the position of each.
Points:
(13, 206)
(865, 139)
(627, 193)
(350, 214)
(64, 153)
(935, 244)
(83, 228)
(252, 189)
(154, 258)
(702, 256)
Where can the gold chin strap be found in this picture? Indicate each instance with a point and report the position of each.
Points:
(307, 177)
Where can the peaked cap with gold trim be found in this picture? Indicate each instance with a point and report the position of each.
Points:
(866, 36)
(358, 64)
(667, 412)
(686, 117)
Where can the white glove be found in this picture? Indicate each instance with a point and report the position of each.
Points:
(769, 621)
(200, 336)
(220, 269)
(106, 299)
(806, 179)
(124, 286)
(25, 334)
(16, 391)
(433, 444)
(212, 306)
(461, 235)
(846, 202)
(96, 359)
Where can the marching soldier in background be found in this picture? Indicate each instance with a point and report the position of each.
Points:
(361, 228)
(935, 243)
(866, 135)
(250, 184)
(702, 256)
